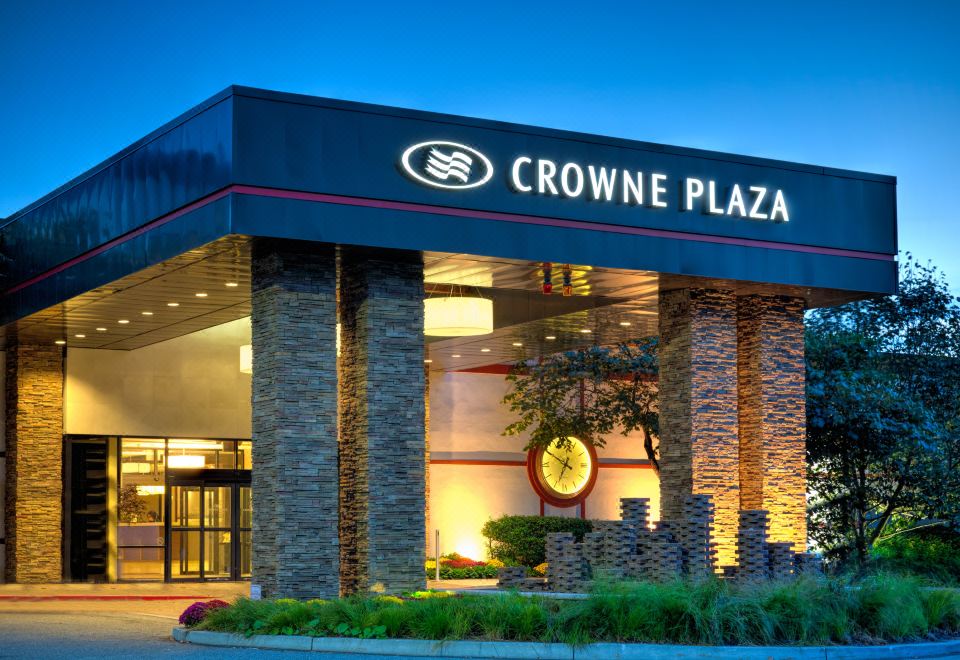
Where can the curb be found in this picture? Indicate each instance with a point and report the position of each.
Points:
(40, 599)
(542, 651)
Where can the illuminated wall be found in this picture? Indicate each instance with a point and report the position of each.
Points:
(190, 386)
(467, 486)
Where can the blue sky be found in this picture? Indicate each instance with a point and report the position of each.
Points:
(871, 86)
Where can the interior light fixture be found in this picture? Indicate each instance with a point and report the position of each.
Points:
(60, 342)
(200, 295)
(147, 313)
(457, 315)
(586, 331)
(173, 304)
(123, 321)
(625, 324)
(80, 336)
(518, 343)
(187, 443)
(484, 350)
(455, 355)
(246, 359)
(150, 490)
(550, 337)
(186, 461)
(428, 361)
(101, 329)
(232, 284)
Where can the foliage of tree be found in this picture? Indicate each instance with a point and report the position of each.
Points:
(587, 394)
(883, 414)
(131, 507)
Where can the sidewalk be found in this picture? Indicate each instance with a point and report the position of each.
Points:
(123, 591)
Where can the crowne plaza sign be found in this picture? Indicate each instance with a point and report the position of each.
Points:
(456, 166)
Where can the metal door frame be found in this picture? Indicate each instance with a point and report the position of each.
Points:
(204, 479)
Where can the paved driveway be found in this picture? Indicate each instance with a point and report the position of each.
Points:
(96, 622)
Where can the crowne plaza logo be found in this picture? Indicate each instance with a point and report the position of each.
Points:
(443, 164)
(456, 166)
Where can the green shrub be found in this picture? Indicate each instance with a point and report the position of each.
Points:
(932, 553)
(483, 572)
(706, 612)
(521, 540)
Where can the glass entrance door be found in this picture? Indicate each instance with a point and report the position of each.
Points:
(206, 538)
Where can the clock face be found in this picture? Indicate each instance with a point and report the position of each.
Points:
(563, 474)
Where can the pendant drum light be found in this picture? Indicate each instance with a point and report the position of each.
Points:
(457, 315)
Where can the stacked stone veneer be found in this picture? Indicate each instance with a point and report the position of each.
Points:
(382, 445)
(732, 411)
(633, 549)
(34, 481)
(295, 515)
(699, 443)
(772, 413)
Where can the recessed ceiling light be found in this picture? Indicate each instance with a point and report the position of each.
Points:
(101, 329)
(518, 343)
(586, 331)
(625, 324)
(80, 336)
(455, 355)
(231, 284)
(484, 350)
(550, 337)
(173, 304)
(147, 313)
(200, 295)
(60, 342)
(428, 361)
(123, 321)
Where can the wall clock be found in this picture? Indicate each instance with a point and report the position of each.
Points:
(563, 475)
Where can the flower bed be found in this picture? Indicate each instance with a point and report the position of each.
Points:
(457, 567)
(801, 612)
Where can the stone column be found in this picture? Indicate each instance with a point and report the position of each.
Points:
(699, 443)
(34, 463)
(295, 475)
(426, 455)
(382, 445)
(773, 413)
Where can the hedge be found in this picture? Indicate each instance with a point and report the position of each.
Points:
(521, 540)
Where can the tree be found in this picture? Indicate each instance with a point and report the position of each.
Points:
(587, 394)
(132, 508)
(883, 406)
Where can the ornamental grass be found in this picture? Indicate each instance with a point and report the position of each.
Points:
(800, 612)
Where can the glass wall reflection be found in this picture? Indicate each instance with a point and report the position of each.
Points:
(209, 522)
(140, 513)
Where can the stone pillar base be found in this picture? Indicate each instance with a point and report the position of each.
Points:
(382, 442)
(295, 544)
(699, 446)
(34, 463)
(773, 414)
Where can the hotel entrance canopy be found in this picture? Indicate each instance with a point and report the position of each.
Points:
(327, 222)
(253, 163)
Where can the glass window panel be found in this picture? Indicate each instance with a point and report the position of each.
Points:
(246, 507)
(217, 502)
(184, 454)
(184, 554)
(217, 554)
(140, 563)
(245, 554)
(140, 509)
(244, 455)
(185, 506)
